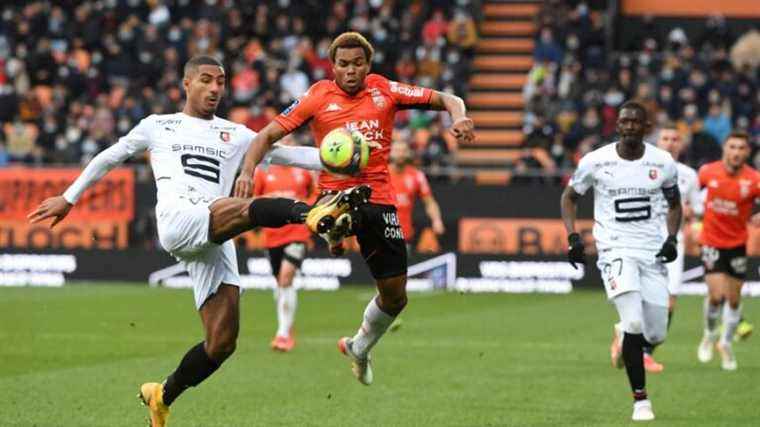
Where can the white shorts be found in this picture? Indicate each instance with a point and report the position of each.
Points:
(183, 226)
(634, 270)
(675, 270)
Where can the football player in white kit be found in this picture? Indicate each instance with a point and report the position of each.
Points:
(670, 140)
(629, 179)
(194, 156)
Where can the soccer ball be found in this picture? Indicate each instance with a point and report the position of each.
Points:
(343, 152)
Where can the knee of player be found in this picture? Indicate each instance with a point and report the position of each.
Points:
(657, 337)
(632, 326)
(392, 304)
(397, 302)
(221, 348)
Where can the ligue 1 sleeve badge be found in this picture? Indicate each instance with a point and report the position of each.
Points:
(652, 173)
(224, 136)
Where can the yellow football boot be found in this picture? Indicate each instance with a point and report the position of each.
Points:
(152, 396)
(322, 217)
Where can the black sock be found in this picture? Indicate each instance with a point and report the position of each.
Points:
(670, 318)
(276, 212)
(648, 349)
(195, 367)
(633, 345)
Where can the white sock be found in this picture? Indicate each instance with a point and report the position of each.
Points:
(375, 323)
(731, 320)
(712, 316)
(287, 300)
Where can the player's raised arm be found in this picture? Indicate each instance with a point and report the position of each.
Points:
(462, 127)
(59, 206)
(300, 157)
(298, 113)
(261, 143)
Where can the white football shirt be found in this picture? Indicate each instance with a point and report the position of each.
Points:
(688, 185)
(627, 196)
(187, 154)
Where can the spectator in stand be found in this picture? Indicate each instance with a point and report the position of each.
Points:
(84, 75)
(4, 157)
(435, 28)
(702, 88)
(717, 124)
(547, 49)
(462, 32)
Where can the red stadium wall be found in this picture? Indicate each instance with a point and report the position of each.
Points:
(99, 221)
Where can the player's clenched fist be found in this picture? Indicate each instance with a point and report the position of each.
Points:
(668, 252)
(575, 253)
(463, 129)
(243, 185)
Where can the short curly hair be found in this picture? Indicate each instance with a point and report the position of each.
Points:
(350, 40)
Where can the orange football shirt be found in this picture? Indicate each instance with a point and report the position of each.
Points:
(728, 204)
(371, 111)
(409, 184)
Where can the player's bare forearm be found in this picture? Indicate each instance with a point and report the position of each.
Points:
(462, 127)
(433, 211)
(674, 217)
(261, 143)
(568, 207)
(451, 103)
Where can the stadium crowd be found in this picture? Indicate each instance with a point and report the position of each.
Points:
(73, 79)
(706, 85)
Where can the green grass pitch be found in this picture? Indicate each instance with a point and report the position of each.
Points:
(75, 357)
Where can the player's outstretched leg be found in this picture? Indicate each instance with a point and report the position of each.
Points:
(230, 216)
(220, 315)
(323, 216)
(378, 316)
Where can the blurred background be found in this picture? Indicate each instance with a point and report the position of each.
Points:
(542, 81)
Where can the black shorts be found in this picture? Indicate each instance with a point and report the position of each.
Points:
(294, 252)
(732, 261)
(381, 240)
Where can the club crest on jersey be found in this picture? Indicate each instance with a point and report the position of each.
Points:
(652, 173)
(744, 186)
(224, 136)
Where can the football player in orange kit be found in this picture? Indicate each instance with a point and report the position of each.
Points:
(286, 245)
(410, 183)
(359, 101)
(732, 189)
